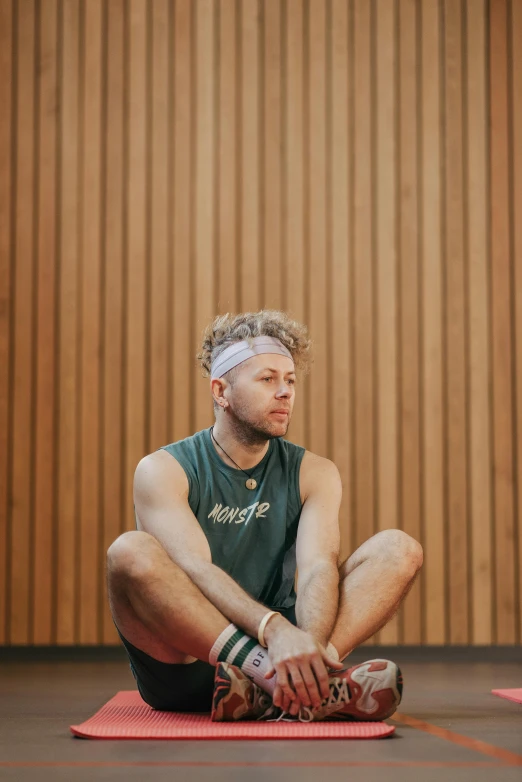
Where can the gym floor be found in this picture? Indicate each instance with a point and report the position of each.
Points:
(449, 726)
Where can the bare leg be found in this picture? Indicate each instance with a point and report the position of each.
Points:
(154, 603)
(373, 583)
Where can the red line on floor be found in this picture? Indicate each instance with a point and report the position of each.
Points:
(241, 764)
(504, 755)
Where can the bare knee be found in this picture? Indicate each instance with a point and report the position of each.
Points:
(133, 554)
(399, 547)
(393, 548)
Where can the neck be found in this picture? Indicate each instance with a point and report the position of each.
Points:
(243, 444)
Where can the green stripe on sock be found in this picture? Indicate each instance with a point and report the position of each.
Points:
(243, 653)
(222, 656)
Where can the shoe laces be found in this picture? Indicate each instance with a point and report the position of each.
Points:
(305, 714)
(339, 695)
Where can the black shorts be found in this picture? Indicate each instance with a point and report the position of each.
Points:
(175, 686)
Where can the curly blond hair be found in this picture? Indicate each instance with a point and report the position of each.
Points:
(227, 329)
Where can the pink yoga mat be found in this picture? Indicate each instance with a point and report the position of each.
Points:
(510, 695)
(127, 716)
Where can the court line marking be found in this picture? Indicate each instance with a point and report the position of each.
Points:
(505, 755)
(260, 764)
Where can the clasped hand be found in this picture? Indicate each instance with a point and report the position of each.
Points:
(299, 662)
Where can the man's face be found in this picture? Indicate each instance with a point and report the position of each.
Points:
(262, 386)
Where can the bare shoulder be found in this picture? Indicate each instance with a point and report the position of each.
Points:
(314, 469)
(160, 472)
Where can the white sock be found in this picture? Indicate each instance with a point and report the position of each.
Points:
(332, 651)
(237, 648)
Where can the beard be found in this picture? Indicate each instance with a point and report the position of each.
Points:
(250, 429)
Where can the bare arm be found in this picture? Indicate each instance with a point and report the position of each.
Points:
(161, 501)
(318, 601)
(317, 551)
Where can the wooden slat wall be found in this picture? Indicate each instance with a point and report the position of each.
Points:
(502, 292)
(358, 164)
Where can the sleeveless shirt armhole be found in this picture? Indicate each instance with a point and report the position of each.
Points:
(193, 494)
(297, 488)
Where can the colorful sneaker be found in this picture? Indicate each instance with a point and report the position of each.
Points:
(236, 697)
(369, 692)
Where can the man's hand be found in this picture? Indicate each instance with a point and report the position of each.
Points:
(296, 654)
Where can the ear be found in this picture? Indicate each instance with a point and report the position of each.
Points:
(217, 389)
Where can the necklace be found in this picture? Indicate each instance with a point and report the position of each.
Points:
(251, 483)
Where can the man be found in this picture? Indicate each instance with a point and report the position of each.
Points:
(202, 593)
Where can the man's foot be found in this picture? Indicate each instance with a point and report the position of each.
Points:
(236, 697)
(368, 692)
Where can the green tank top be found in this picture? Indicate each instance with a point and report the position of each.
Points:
(251, 533)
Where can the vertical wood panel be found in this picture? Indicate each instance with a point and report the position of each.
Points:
(294, 191)
(90, 322)
(318, 260)
(22, 464)
(340, 228)
(432, 443)
(67, 563)
(204, 215)
(409, 307)
(478, 326)
(501, 314)
(182, 326)
(271, 209)
(45, 441)
(386, 271)
(227, 261)
(136, 247)
(113, 292)
(455, 348)
(6, 206)
(250, 297)
(157, 353)
(363, 262)
(516, 135)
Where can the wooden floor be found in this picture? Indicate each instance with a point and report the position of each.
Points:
(449, 728)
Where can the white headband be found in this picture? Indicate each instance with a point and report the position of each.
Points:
(241, 351)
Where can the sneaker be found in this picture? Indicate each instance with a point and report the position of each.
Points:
(236, 697)
(368, 692)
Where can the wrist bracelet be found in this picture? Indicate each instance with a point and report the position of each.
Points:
(264, 622)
